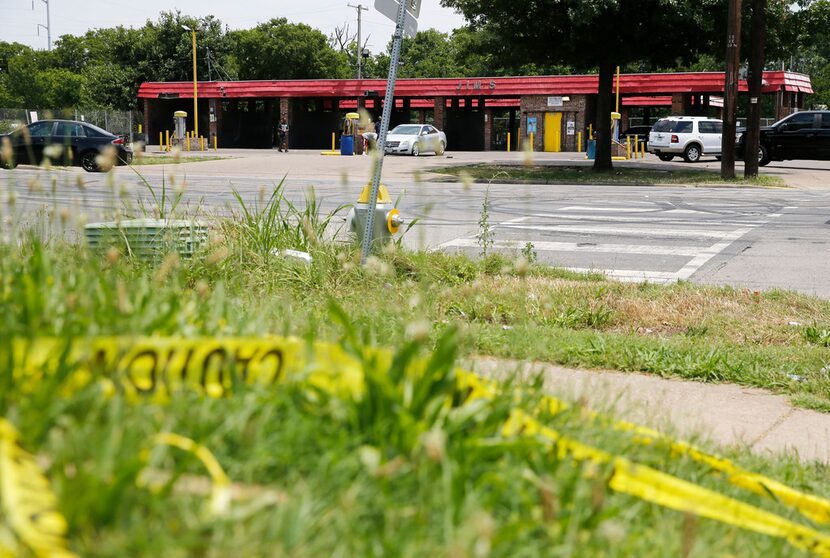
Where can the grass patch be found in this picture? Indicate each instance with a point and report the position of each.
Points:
(315, 475)
(578, 174)
(504, 308)
(400, 472)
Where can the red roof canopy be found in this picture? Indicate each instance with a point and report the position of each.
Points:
(656, 101)
(630, 84)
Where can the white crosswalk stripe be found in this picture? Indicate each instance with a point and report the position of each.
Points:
(609, 242)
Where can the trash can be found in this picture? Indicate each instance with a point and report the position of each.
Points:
(346, 145)
(592, 149)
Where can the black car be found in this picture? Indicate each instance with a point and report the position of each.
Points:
(802, 135)
(640, 132)
(64, 142)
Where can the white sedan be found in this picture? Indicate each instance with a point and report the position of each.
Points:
(415, 139)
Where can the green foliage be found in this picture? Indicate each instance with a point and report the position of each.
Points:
(278, 49)
(818, 335)
(403, 470)
(277, 224)
(429, 54)
(108, 85)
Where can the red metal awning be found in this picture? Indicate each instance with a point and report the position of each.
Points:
(496, 87)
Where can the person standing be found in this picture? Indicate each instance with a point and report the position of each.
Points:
(283, 133)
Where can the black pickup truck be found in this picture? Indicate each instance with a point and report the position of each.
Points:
(802, 135)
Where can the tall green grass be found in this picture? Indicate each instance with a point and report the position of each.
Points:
(400, 472)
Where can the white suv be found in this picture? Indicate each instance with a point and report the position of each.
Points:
(689, 136)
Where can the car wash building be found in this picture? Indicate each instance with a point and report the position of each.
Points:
(477, 114)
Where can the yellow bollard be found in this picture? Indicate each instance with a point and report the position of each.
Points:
(161, 141)
(167, 139)
(332, 140)
(531, 141)
(579, 142)
(628, 147)
(636, 146)
(201, 143)
(215, 144)
(590, 131)
(139, 128)
(508, 142)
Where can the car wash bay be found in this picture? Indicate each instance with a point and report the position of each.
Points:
(477, 114)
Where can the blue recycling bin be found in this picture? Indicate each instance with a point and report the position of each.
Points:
(347, 145)
(592, 149)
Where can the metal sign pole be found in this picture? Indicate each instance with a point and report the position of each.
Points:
(388, 104)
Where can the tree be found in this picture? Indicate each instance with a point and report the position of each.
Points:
(282, 50)
(598, 34)
(108, 85)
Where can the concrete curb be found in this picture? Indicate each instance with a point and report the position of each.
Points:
(724, 414)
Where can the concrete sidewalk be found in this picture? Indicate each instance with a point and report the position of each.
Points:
(725, 414)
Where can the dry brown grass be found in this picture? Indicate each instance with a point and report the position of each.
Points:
(733, 315)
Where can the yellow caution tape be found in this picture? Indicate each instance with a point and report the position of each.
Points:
(28, 503)
(665, 490)
(815, 508)
(220, 498)
(159, 366)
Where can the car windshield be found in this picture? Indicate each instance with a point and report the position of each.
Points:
(672, 126)
(406, 130)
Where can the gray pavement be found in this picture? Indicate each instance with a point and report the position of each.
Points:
(754, 238)
(748, 419)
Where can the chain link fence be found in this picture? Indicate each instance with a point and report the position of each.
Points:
(115, 121)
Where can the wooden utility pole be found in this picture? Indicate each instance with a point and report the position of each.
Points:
(757, 40)
(359, 9)
(730, 93)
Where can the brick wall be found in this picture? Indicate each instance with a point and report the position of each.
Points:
(572, 110)
(438, 116)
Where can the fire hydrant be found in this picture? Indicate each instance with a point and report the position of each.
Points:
(386, 223)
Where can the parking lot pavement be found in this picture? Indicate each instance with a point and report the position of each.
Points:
(310, 165)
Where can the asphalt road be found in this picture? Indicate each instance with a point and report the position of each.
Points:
(755, 238)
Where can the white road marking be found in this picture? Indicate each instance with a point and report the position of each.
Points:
(618, 231)
(699, 255)
(544, 246)
(705, 255)
(650, 209)
(474, 237)
(644, 218)
(630, 275)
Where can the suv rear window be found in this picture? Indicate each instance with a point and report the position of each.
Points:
(679, 126)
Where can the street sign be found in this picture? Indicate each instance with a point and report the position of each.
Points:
(389, 8)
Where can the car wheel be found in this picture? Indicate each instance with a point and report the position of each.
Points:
(127, 159)
(764, 156)
(665, 156)
(692, 153)
(416, 150)
(88, 162)
(441, 148)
